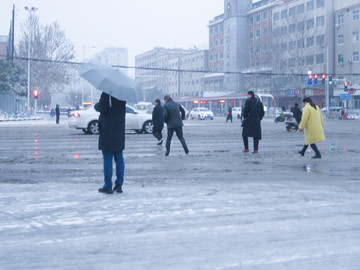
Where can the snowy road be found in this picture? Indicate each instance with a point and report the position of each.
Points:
(217, 208)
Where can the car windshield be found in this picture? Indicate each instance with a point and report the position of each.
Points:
(203, 109)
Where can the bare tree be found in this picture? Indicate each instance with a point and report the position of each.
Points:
(51, 53)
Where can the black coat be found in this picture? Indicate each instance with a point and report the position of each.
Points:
(111, 123)
(158, 117)
(172, 116)
(296, 113)
(253, 114)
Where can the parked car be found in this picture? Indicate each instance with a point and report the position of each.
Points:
(88, 121)
(201, 113)
(237, 112)
(144, 107)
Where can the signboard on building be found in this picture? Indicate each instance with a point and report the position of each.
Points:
(345, 96)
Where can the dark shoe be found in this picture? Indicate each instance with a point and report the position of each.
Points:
(317, 156)
(301, 153)
(246, 150)
(187, 151)
(118, 189)
(167, 153)
(255, 152)
(105, 190)
(160, 142)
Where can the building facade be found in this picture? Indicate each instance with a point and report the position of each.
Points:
(3, 47)
(113, 57)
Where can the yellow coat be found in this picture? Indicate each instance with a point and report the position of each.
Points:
(312, 123)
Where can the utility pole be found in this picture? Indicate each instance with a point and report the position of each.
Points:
(179, 78)
(13, 33)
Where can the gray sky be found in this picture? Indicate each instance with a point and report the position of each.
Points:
(138, 25)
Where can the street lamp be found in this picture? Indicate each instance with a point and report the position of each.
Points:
(30, 9)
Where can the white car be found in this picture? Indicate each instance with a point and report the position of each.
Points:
(236, 112)
(201, 114)
(88, 121)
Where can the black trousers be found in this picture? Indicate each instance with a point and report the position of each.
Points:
(246, 143)
(157, 132)
(179, 134)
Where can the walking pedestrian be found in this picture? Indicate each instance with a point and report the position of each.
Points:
(312, 123)
(112, 140)
(229, 114)
(52, 113)
(174, 122)
(296, 112)
(57, 113)
(158, 121)
(253, 114)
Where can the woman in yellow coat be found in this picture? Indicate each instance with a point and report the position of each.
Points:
(312, 122)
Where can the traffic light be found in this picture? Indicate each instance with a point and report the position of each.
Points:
(346, 86)
(35, 94)
(323, 79)
(310, 77)
(315, 79)
(330, 80)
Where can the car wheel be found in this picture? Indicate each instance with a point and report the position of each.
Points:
(148, 127)
(93, 127)
(238, 116)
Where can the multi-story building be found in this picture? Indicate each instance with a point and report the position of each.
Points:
(113, 57)
(3, 46)
(347, 50)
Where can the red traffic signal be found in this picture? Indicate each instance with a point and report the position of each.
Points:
(323, 77)
(35, 94)
(346, 86)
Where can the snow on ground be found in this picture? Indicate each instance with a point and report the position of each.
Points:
(217, 208)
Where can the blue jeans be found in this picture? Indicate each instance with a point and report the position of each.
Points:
(108, 168)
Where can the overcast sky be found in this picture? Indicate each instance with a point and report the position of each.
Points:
(138, 25)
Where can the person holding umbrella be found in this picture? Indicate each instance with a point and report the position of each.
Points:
(112, 140)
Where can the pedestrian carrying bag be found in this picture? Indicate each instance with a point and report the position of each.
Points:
(244, 122)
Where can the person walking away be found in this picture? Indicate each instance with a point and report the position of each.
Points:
(253, 114)
(57, 113)
(312, 123)
(158, 120)
(296, 112)
(229, 114)
(174, 122)
(112, 140)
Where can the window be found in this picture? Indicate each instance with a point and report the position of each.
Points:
(283, 47)
(221, 55)
(258, 18)
(211, 31)
(356, 36)
(340, 59)
(320, 3)
(340, 18)
(222, 41)
(310, 5)
(276, 16)
(265, 16)
(320, 40)
(301, 43)
(216, 43)
(310, 60)
(211, 45)
(355, 15)
(301, 26)
(258, 33)
(211, 58)
(309, 41)
(320, 21)
(340, 39)
(265, 31)
(292, 12)
(284, 14)
(251, 35)
(292, 28)
(310, 24)
(251, 20)
(292, 45)
(257, 49)
(320, 58)
(292, 62)
(301, 8)
(216, 57)
(355, 56)
(222, 28)
(265, 48)
(216, 30)
(283, 30)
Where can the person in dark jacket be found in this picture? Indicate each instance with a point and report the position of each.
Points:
(229, 114)
(158, 120)
(57, 113)
(296, 112)
(112, 140)
(174, 122)
(253, 114)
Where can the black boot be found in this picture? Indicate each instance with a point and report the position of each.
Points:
(302, 152)
(316, 150)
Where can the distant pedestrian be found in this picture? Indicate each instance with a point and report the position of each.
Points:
(174, 122)
(158, 121)
(229, 114)
(253, 114)
(52, 112)
(296, 112)
(312, 122)
(57, 112)
(112, 140)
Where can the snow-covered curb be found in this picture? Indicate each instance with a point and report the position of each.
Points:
(21, 119)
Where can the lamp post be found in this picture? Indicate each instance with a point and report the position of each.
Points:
(30, 9)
